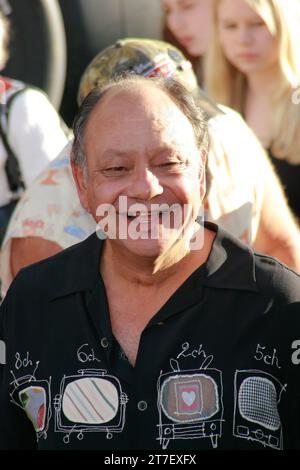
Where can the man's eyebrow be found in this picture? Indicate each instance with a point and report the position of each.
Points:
(110, 153)
(164, 151)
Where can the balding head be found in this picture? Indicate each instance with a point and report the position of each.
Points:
(130, 90)
(143, 142)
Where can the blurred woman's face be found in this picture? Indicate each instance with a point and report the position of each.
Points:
(190, 22)
(245, 38)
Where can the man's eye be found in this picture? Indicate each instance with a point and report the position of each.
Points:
(171, 165)
(114, 171)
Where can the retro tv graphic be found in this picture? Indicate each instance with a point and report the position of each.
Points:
(190, 406)
(92, 401)
(34, 398)
(256, 416)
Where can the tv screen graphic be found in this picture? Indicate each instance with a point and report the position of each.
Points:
(34, 398)
(190, 406)
(256, 415)
(92, 401)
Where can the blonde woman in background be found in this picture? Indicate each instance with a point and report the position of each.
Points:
(253, 65)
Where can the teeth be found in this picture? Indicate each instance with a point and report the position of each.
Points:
(139, 214)
(146, 214)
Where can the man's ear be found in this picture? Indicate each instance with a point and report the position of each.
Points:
(81, 185)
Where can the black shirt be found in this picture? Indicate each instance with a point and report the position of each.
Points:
(290, 179)
(217, 366)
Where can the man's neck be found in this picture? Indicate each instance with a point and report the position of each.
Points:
(135, 293)
(125, 268)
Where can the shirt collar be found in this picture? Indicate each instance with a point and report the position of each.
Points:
(79, 268)
(230, 265)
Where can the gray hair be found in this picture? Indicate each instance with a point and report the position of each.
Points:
(175, 90)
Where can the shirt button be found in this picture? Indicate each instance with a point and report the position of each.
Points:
(104, 343)
(142, 405)
(123, 356)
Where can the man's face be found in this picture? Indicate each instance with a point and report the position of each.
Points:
(141, 150)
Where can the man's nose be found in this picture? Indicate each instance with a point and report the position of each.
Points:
(144, 185)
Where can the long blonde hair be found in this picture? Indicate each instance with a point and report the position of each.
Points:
(228, 86)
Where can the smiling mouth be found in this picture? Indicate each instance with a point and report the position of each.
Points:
(144, 215)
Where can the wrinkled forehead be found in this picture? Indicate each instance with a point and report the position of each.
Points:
(137, 114)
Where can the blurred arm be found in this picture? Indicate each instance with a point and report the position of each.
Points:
(34, 132)
(278, 232)
(28, 250)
